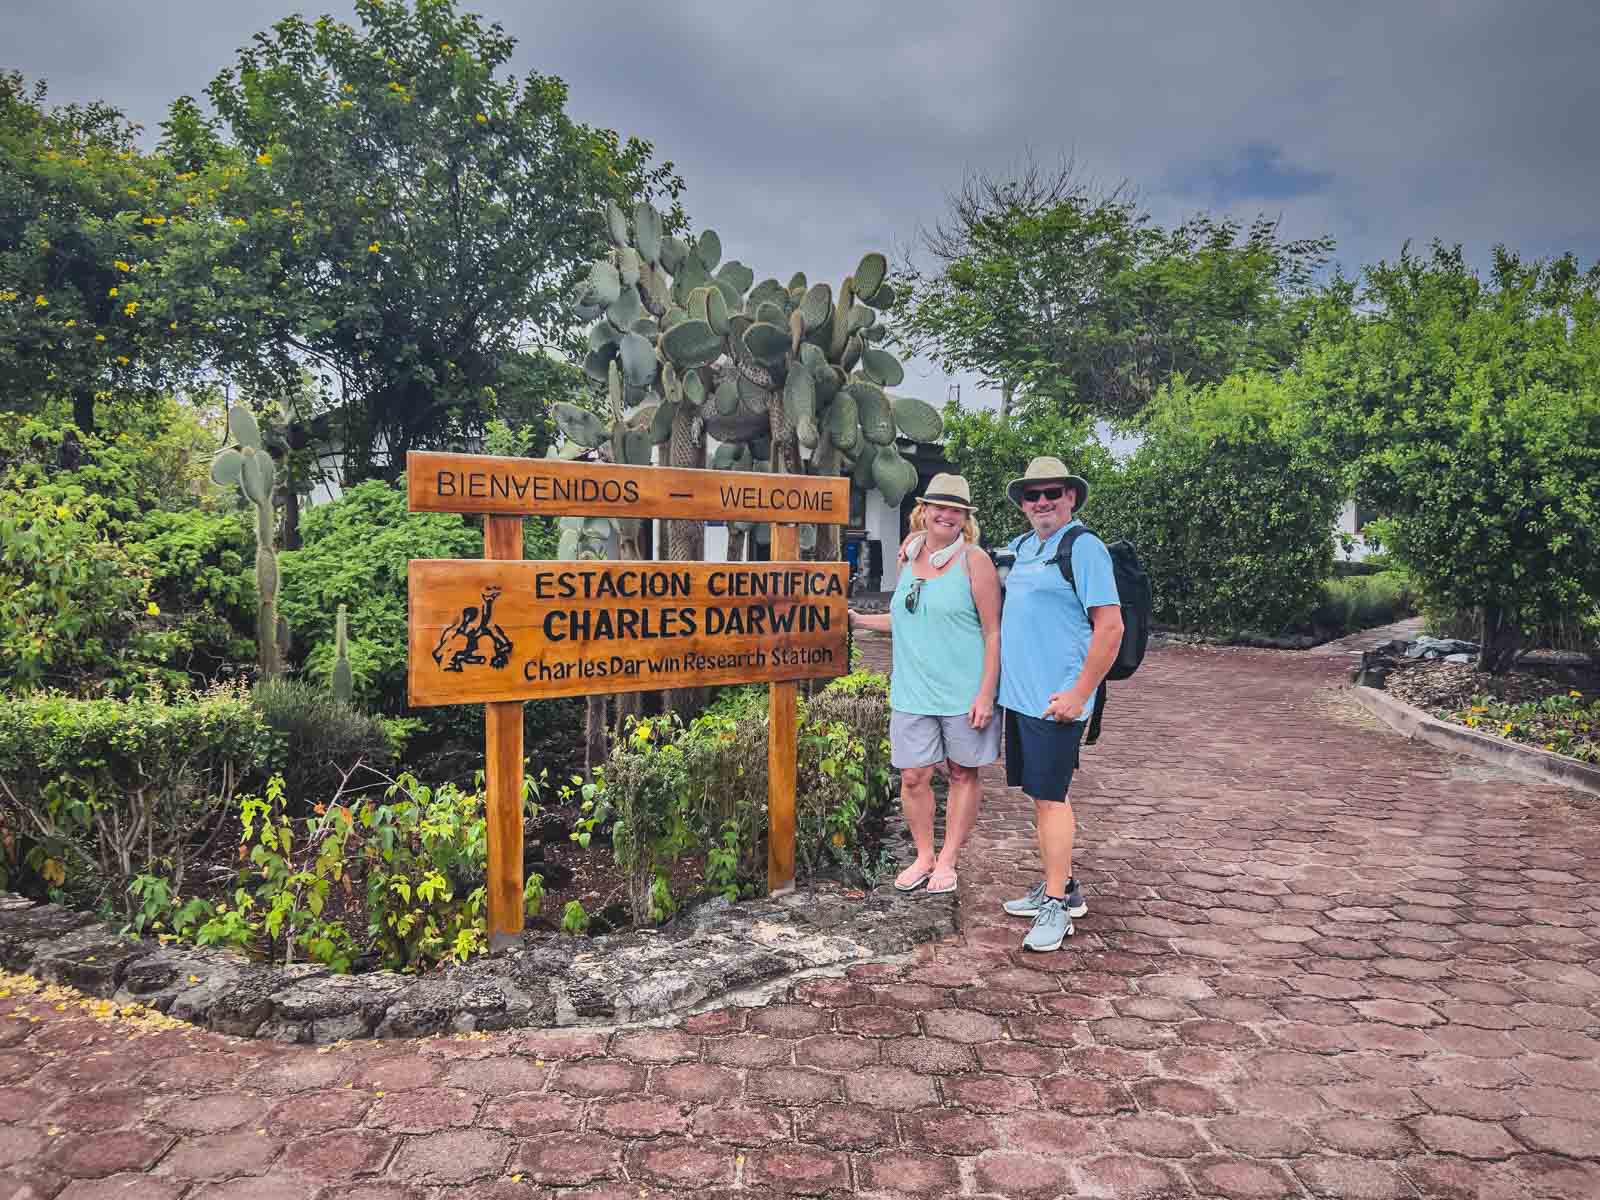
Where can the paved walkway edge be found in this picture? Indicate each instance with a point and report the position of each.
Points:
(1414, 723)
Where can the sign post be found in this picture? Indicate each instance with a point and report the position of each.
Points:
(500, 631)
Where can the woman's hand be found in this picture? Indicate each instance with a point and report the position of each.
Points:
(981, 712)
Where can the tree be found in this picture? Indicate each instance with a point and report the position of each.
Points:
(84, 215)
(990, 449)
(1469, 413)
(406, 215)
(1045, 283)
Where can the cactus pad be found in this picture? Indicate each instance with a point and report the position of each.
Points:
(844, 422)
(727, 397)
(917, 419)
(708, 249)
(638, 360)
(691, 344)
(894, 476)
(816, 307)
(627, 308)
(605, 283)
(882, 368)
(647, 232)
(661, 422)
(766, 342)
(225, 468)
(673, 252)
(800, 397)
(870, 273)
(877, 420)
(579, 424)
(736, 275)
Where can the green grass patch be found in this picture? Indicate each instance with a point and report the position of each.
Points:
(1361, 602)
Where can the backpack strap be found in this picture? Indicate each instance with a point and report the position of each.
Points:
(1063, 559)
(1092, 734)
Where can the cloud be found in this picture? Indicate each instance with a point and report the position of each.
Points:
(808, 134)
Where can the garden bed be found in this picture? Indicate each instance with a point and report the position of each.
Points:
(1549, 706)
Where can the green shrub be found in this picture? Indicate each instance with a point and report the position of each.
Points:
(421, 853)
(109, 790)
(1363, 602)
(703, 789)
(320, 742)
(355, 551)
(1231, 510)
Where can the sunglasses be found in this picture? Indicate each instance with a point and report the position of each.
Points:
(1045, 493)
(912, 593)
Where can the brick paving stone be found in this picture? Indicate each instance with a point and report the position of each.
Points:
(529, 1114)
(1460, 1135)
(890, 1087)
(990, 1093)
(854, 1126)
(1365, 1136)
(797, 1170)
(1242, 1179)
(1353, 1179)
(339, 1156)
(1128, 1178)
(308, 1112)
(1021, 1175)
(793, 1085)
(929, 1056)
(694, 1081)
(655, 1046)
(114, 1187)
(1558, 1135)
(221, 1155)
(906, 1172)
(598, 1077)
(568, 1159)
(92, 1155)
(424, 1110)
(209, 1114)
(959, 1025)
(741, 1124)
(748, 1050)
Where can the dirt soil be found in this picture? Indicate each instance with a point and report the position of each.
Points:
(1444, 688)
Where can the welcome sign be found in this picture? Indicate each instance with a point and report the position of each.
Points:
(484, 630)
(522, 487)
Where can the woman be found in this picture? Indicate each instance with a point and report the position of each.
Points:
(945, 621)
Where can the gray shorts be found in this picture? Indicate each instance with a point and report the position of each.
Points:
(916, 740)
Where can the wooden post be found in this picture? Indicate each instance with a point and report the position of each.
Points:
(781, 749)
(502, 720)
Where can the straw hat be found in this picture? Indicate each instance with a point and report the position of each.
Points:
(949, 489)
(1046, 469)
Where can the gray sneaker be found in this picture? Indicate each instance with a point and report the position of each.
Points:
(1028, 906)
(1050, 928)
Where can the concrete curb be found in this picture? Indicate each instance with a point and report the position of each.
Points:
(1414, 723)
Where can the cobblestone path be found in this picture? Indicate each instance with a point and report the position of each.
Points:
(1319, 962)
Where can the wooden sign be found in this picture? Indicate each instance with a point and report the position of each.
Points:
(482, 630)
(481, 483)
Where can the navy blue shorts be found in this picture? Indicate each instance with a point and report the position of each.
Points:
(1041, 755)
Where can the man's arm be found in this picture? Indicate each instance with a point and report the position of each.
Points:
(1106, 620)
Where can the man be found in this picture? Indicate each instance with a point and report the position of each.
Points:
(1057, 641)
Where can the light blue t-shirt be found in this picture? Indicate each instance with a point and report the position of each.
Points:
(1044, 627)
(938, 650)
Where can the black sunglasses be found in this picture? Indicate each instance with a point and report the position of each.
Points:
(912, 593)
(1048, 493)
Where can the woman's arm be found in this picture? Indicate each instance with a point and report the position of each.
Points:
(878, 622)
(986, 597)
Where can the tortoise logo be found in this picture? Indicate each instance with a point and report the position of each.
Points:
(460, 640)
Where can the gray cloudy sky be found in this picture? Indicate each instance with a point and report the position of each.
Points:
(809, 133)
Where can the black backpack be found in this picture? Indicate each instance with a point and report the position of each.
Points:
(1138, 606)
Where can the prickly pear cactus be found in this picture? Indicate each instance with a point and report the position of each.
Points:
(344, 683)
(784, 376)
(248, 467)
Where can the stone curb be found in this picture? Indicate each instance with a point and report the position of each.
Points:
(1414, 723)
(545, 980)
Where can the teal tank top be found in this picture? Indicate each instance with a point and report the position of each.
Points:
(938, 650)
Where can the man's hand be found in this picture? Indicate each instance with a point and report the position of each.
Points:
(1064, 706)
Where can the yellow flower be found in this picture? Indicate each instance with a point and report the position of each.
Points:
(374, 247)
(347, 104)
(130, 308)
(63, 512)
(1549, 745)
(112, 292)
(173, 325)
(70, 322)
(238, 221)
(99, 337)
(40, 302)
(123, 359)
(481, 119)
(264, 159)
(8, 295)
(152, 609)
(1576, 695)
(1506, 728)
(122, 266)
(444, 46)
(348, 88)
